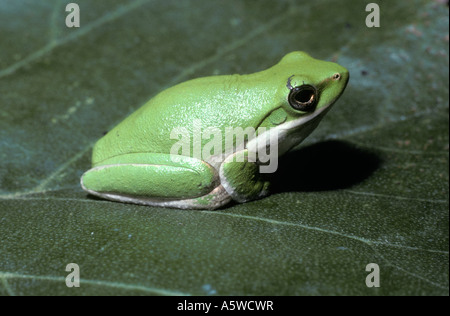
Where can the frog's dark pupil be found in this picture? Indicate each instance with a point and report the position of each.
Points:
(304, 96)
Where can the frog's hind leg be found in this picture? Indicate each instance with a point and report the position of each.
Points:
(241, 178)
(211, 201)
(157, 180)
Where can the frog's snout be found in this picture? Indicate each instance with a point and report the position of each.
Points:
(339, 78)
(343, 76)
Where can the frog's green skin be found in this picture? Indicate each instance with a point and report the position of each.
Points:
(132, 163)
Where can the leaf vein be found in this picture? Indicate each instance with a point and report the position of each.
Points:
(6, 285)
(323, 230)
(53, 24)
(414, 275)
(122, 10)
(371, 194)
(118, 285)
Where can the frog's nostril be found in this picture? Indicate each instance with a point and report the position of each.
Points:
(336, 76)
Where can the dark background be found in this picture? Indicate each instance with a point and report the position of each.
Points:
(369, 185)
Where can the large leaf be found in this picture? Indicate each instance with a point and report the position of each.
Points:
(369, 186)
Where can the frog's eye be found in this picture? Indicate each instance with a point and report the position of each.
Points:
(303, 98)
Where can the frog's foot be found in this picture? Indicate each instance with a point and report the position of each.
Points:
(241, 178)
(157, 180)
(211, 201)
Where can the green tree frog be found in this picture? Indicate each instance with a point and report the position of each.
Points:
(135, 162)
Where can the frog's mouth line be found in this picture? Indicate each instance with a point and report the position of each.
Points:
(305, 119)
(285, 139)
(284, 127)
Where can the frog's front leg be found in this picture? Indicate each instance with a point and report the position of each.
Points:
(158, 180)
(241, 178)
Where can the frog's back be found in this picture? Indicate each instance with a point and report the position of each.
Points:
(215, 101)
